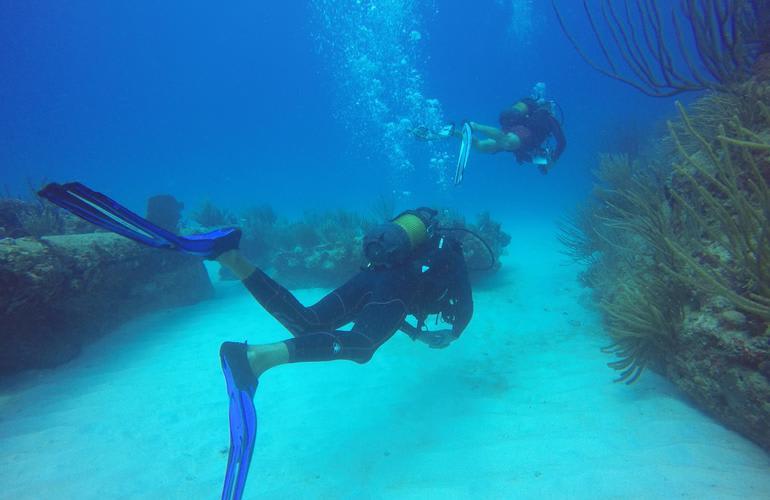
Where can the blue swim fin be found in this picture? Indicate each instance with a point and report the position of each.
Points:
(106, 213)
(241, 386)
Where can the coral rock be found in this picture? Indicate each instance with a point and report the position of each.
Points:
(60, 292)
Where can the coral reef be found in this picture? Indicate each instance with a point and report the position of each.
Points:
(209, 215)
(724, 194)
(325, 248)
(17, 215)
(64, 282)
(19, 218)
(321, 249)
(259, 234)
(724, 367)
(677, 252)
(60, 292)
(477, 252)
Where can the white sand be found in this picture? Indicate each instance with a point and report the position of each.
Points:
(522, 406)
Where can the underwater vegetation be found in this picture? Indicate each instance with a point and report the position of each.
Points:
(62, 283)
(325, 248)
(676, 241)
(321, 249)
(19, 218)
(65, 282)
(478, 240)
(665, 48)
(33, 217)
(677, 253)
(210, 216)
(22, 217)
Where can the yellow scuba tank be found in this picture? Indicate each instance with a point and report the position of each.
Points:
(393, 242)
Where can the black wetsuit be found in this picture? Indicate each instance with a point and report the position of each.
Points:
(376, 300)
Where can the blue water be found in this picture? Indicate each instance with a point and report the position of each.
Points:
(306, 105)
(254, 103)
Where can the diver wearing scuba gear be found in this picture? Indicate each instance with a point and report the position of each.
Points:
(525, 129)
(412, 270)
(377, 300)
(533, 122)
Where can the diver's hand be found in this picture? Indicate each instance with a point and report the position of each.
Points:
(421, 133)
(438, 339)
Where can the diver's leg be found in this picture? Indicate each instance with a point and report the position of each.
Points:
(491, 132)
(341, 305)
(274, 298)
(379, 315)
(237, 263)
(486, 145)
(265, 356)
(377, 319)
(497, 140)
(331, 312)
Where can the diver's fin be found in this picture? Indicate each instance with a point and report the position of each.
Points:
(234, 354)
(106, 213)
(465, 151)
(249, 414)
(241, 386)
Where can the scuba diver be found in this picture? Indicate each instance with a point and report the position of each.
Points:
(525, 129)
(414, 267)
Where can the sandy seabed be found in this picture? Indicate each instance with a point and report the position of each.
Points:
(522, 406)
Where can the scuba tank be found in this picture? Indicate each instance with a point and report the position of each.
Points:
(393, 242)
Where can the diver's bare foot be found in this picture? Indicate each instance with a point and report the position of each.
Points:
(265, 356)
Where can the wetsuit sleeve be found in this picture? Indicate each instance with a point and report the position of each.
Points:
(558, 134)
(462, 310)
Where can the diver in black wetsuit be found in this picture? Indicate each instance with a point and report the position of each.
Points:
(414, 269)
